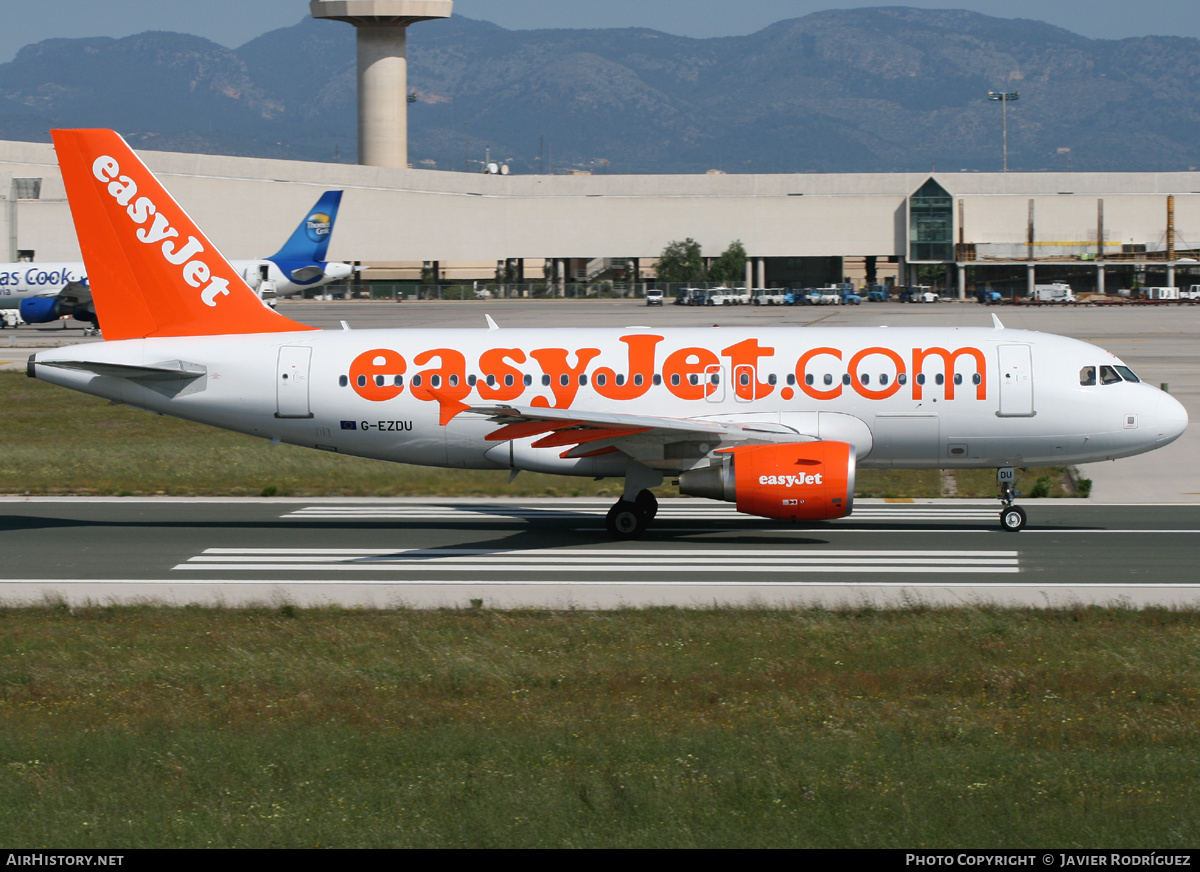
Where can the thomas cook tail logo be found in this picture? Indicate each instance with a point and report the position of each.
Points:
(317, 226)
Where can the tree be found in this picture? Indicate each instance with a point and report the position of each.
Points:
(730, 267)
(681, 262)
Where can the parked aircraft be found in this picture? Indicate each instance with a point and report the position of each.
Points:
(45, 292)
(775, 420)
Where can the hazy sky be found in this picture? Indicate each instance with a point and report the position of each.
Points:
(234, 22)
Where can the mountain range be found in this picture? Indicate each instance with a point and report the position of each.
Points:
(863, 90)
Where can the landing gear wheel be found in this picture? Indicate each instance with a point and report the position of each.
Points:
(1012, 518)
(625, 521)
(647, 504)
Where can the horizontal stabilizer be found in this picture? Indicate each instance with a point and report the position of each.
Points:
(176, 370)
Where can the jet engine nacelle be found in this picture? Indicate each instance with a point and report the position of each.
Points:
(798, 481)
(41, 310)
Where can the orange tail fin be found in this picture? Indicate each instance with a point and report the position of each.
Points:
(151, 271)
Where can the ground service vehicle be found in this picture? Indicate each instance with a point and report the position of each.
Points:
(1057, 292)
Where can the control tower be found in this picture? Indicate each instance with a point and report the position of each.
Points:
(382, 27)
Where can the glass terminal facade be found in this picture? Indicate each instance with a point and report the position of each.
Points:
(931, 224)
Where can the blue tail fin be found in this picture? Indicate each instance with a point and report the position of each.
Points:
(310, 240)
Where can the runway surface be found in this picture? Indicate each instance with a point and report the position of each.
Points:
(556, 554)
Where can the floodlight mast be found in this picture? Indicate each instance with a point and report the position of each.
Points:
(1004, 98)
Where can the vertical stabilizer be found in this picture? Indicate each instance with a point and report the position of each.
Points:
(152, 271)
(310, 240)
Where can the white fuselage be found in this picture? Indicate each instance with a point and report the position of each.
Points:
(911, 397)
(21, 280)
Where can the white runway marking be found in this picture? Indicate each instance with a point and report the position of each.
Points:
(602, 561)
(687, 511)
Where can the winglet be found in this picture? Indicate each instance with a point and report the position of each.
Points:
(151, 270)
(996, 322)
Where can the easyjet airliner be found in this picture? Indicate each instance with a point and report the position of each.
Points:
(775, 420)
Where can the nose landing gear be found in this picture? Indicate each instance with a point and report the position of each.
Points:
(1012, 518)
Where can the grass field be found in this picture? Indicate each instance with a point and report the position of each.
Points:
(148, 727)
(63, 442)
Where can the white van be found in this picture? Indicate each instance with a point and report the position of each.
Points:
(1056, 292)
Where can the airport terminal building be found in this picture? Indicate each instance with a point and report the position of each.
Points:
(1097, 231)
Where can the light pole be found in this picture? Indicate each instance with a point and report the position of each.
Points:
(1004, 98)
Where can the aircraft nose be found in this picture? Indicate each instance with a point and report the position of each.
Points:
(1172, 419)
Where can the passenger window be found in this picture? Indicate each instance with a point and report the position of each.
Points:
(1108, 376)
(1087, 375)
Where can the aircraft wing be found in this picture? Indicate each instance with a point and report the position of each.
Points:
(657, 442)
(77, 294)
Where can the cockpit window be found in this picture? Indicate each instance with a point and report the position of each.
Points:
(1127, 374)
(1108, 375)
(1087, 375)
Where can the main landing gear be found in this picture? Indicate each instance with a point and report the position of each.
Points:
(1012, 518)
(629, 519)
